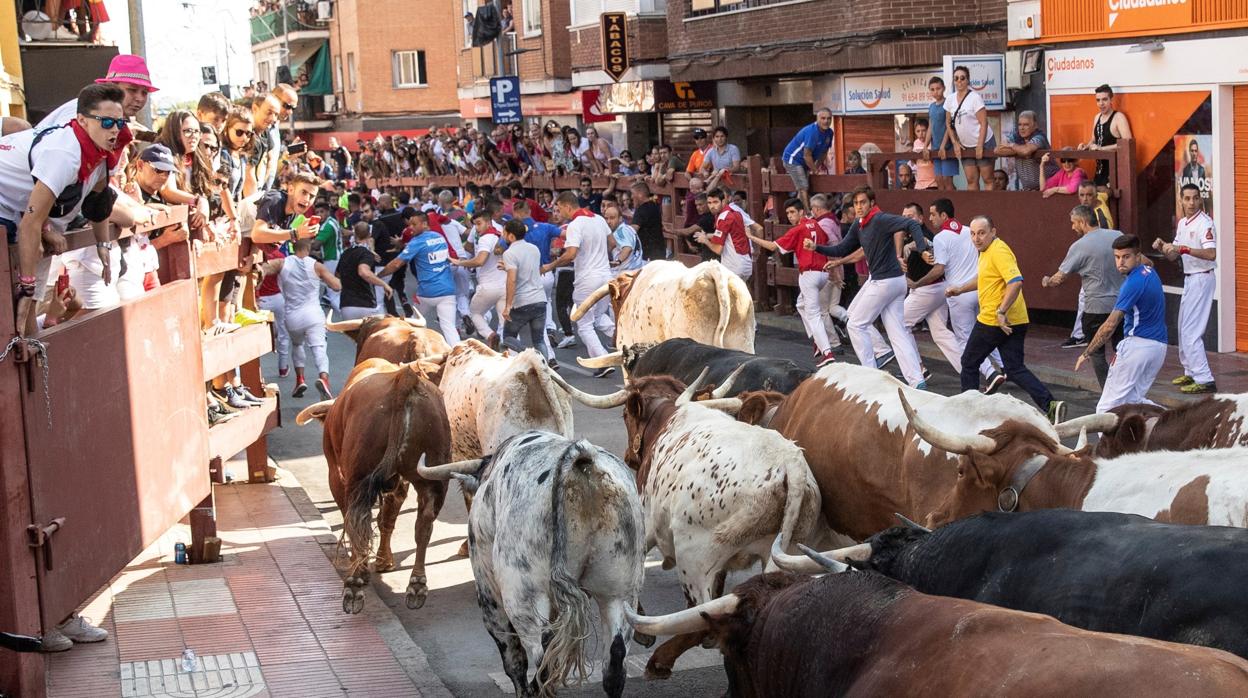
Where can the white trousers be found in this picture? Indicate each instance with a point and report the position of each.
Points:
(443, 308)
(1194, 310)
(884, 299)
(463, 288)
(1132, 373)
(929, 302)
(354, 312)
(485, 298)
(1077, 332)
(878, 343)
(814, 305)
(277, 304)
(599, 317)
(548, 285)
(963, 309)
(330, 294)
(306, 326)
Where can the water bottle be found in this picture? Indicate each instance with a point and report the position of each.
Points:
(179, 554)
(188, 660)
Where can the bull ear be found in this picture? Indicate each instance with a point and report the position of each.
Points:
(1132, 428)
(753, 407)
(635, 406)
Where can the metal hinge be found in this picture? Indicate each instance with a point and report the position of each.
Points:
(40, 537)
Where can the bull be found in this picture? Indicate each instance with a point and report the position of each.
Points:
(1093, 570)
(1214, 422)
(684, 359)
(864, 634)
(555, 523)
(387, 419)
(662, 300)
(1017, 467)
(716, 491)
(391, 338)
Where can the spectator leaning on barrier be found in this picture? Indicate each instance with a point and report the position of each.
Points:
(924, 168)
(129, 74)
(1107, 127)
(967, 125)
(700, 146)
(803, 153)
(1098, 201)
(940, 140)
(722, 158)
(1066, 180)
(1022, 145)
(49, 176)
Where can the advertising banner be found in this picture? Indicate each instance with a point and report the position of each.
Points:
(1193, 164)
(987, 77)
(887, 93)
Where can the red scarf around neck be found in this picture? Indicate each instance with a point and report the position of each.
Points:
(866, 220)
(93, 155)
(581, 212)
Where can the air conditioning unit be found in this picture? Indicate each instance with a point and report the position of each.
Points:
(324, 10)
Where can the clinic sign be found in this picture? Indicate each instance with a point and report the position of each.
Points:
(1137, 15)
(987, 77)
(887, 93)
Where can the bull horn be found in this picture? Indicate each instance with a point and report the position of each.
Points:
(810, 565)
(1082, 442)
(615, 358)
(418, 321)
(910, 524)
(792, 563)
(690, 620)
(723, 388)
(686, 396)
(449, 470)
(436, 359)
(944, 440)
(344, 325)
(731, 405)
(602, 402)
(314, 411)
(588, 303)
(827, 563)
(1099, 422)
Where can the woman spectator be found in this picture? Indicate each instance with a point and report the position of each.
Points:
(966, 119)
(238, 141)
(1066, 180)
(181, 135)
(577, 149)
(556, 150)
(599, 151)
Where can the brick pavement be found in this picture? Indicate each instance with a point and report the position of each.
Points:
(266, 621)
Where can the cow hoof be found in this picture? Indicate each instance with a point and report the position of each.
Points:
(657, 671)
(463, 549)
(417, 592)
(383, 564)
(352, 600)
(643, 639)
(708, 643)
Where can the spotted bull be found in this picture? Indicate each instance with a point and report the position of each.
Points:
(684, 359)
(1214, 422)
(863, 635)
(554, 524)
(716, 491)
(1117, 573)
(662, 300)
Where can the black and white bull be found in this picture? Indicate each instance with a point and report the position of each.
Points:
(685, 359)
(554, 524)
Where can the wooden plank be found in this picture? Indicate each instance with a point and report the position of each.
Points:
(225, 352)
(216, 258)
(234, 436)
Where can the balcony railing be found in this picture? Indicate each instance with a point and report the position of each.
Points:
(291, 18)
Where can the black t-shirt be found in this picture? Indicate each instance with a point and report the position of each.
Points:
(388, 234)
(649, 221)
(592, 202)
(271, 208)
(356, 292)
(916, 267)
(339, 155)
(706, 222)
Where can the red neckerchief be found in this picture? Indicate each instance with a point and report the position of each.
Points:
(435, 224)
(865, 220)
(93, 155)
(952, 226)
(581, 213)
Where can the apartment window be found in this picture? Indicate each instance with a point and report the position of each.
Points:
(351, 72)
(409, 69)
(470, 8)
(587, 12)
(532, 17)
(700, 8)
(338, 74)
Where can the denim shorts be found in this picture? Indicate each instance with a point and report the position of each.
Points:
(945, 167)
(989, 146)
(10, 230)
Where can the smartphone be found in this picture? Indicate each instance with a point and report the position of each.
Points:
(314, 221)
(297, 148)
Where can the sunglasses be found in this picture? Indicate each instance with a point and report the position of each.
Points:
(241, 133)
(959, 78)
(289, 105)
(107, 122)
(214, 149)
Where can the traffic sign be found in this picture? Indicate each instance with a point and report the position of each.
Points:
(505, 100)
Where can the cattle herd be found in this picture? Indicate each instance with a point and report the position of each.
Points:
(1112, 567)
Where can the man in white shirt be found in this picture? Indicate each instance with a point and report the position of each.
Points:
(589, 241)
(491, 280)
(1196, 243)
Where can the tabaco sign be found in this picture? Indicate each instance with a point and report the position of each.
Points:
(683, 96)
(614, 44)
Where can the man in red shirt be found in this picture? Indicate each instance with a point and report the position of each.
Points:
(729, 241)
(815, 302)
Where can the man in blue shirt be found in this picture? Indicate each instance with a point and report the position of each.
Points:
(1141, 305)
(803, 153)
(429, 258)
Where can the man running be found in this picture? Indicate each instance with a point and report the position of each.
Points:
(427, 255)
(1196, 243)
(587, 249)
(1142, 304)
(524, 305)
(883, 295)
(491, 281)
(300, 278)
(730, 240)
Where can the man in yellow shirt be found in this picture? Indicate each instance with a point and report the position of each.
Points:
(1002, 321)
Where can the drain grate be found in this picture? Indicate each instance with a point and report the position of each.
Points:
(234, 675)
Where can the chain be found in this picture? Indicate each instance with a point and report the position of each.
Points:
(40, 352)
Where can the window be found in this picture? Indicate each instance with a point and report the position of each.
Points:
(351, 71)
(587, 12)
(409, 69)
(470, 7)
(532, 17)
(338, 74)
(700, 8)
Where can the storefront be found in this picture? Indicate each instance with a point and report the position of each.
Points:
(650, 112)
(1184, 101)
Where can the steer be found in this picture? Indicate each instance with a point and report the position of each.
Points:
(391, 338)
(865, 635)
(1214, 422)
(683, 359)
(555, 523)
(1094, 570)
(386, 419)
(1017, 467)
(664, 299)
(716, 491)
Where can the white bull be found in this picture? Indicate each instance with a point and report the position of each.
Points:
(555, 523)
(663, 300)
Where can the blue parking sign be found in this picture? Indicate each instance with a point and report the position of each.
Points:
(505, 100)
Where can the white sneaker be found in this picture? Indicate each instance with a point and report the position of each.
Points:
(55, 641)
(566, 342)
(79, 629)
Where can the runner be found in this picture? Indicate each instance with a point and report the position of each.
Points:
(491, 281)
(1142, 304)
(300, 278)
(587, 249)
(525, 303)
(1196, 243)
(730, 240)
(427, 254)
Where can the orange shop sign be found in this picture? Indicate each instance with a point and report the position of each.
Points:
(1137, 15)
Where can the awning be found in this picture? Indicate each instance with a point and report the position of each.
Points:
(320, 82)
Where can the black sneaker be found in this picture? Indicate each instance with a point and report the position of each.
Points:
(604, 372)
(1074, 342)
(553, 364)
(300, 389)
(994, 383)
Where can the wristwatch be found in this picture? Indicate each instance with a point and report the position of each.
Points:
(294, 235)
(106, 245)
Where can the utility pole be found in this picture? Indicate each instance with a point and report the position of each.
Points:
(138, 46)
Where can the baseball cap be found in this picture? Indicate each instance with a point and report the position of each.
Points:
(699, 133)
(160, 157)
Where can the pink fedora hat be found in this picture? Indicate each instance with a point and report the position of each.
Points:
(130, 69)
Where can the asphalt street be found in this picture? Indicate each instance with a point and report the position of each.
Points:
(449, 628)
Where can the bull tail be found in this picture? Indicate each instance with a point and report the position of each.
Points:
(555, 397)
(796, 475)
(358, 518)
(569, 626)
(317, 411)
(723, 294)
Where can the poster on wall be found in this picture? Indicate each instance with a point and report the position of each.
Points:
(1193, 164)
(987, 77)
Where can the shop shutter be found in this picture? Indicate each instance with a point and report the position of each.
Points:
(1241, 217)
(677, 129)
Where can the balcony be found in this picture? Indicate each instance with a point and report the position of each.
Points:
(296, 22)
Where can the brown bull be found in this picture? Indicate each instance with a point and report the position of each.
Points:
(863, 634)
(1214, 422)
